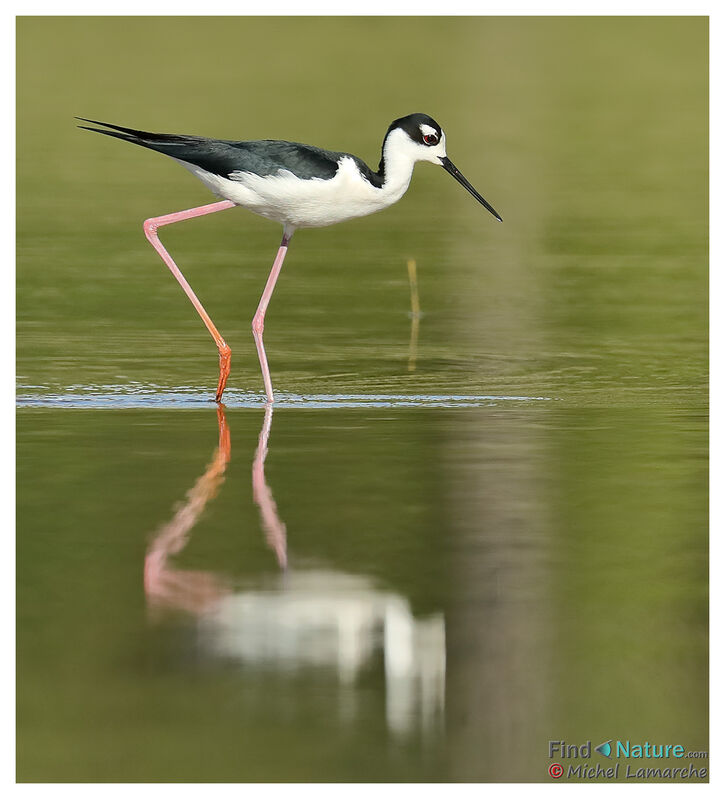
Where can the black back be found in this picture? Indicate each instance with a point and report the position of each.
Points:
(221, 157)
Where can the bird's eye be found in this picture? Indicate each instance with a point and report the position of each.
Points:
(430, 138)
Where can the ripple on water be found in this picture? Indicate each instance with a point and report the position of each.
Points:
(138, 396)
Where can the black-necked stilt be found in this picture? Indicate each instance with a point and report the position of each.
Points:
(297, 185)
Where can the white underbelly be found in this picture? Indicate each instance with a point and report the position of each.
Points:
(299, 203)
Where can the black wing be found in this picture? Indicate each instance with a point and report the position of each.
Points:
(224, 157)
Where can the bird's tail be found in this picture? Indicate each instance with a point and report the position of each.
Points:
(167, 143)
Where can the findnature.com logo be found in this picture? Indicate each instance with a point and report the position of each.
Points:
(626, 751)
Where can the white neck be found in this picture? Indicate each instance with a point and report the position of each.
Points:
(399, 158)
(400, 154)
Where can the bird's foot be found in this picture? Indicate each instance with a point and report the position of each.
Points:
(225, 366)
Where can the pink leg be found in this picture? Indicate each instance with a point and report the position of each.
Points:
(258, 321)
(150, 226)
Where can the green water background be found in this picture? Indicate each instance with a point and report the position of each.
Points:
(563, 541)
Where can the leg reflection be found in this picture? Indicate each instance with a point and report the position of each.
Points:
(274, 528)
(196, 591)
(192, 591)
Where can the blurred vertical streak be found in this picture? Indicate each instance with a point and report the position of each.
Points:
(498, 631)
(414, 314)
(498, 672)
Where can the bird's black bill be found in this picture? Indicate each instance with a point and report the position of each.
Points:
(450, 167)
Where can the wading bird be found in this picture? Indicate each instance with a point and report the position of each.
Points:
(297, 185)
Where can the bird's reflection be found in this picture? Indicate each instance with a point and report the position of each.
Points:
(311, 618)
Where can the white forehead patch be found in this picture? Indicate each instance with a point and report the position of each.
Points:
(427, 130)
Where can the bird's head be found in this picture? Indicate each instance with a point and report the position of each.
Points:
(419, 137)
